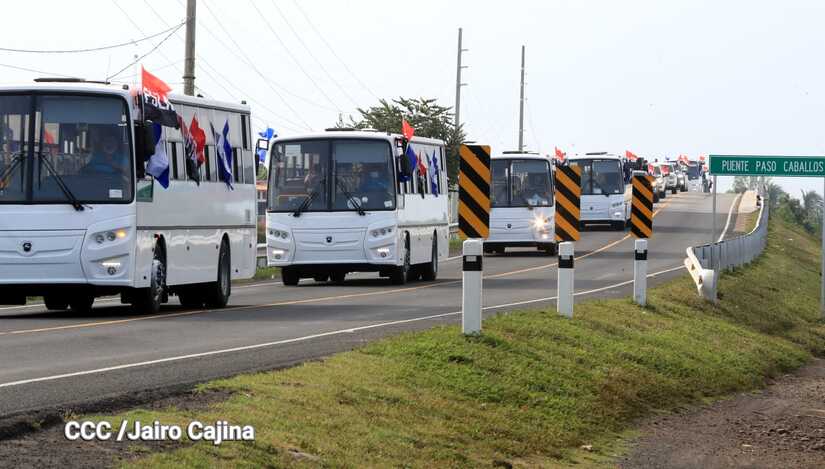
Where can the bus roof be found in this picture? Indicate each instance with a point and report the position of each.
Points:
(595, 156)
(519, 156)
(357, 134)
(120, 90)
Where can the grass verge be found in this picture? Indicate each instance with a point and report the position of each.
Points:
(529, 391)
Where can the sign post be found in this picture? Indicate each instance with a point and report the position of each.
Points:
(772, 166)
(568, 214)
(473, 228)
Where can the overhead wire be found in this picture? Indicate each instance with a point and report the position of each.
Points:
(255, 68)
(309, 51)
(92, 49)
(332, 50)
(295, 59)
(153, 49)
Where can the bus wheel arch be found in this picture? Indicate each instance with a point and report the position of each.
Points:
(429, 271)
(218, 292)
(149, 299)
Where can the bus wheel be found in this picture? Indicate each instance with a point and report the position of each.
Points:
(219, 292)
(338, 277)
(290, 276)
(550, 249)
(148, 300)
(429, 271)
(400, 274)
(81, 303)
(320, 278)
(56, 302)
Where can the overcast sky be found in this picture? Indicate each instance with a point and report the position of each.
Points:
(659, 78)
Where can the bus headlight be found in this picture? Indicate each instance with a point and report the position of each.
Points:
(279, 234)
(540, 223)
(110, 236)
(377, 233)
(616, 204)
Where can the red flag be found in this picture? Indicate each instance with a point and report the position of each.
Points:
(701, 157)
(630, 155)
(154, 84)
(422, 169)
(560, 154)
(199, 136)
(650, 168)
(406, 129)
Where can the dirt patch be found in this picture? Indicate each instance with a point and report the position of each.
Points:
(37, 440)
(781, 426)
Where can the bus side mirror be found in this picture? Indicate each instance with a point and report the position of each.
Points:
(262, 145)
(144, 147)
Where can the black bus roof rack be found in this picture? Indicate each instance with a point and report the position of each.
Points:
(69, 80)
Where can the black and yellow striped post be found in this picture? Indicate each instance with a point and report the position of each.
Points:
(641, 215)
(474, 192)
(568, 202)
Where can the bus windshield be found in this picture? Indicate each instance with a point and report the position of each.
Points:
(521, 183)
(694, 171)
(601, 177)
(52, 146)
(331, 175)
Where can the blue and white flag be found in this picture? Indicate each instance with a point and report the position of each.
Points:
(268, 133)
(435, 174)
(158, 165)
(224, 154)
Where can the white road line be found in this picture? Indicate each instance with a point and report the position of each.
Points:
(299, 339)
(727, 223)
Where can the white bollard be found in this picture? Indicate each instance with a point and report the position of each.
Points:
(471, 277)
(640, 272)
(564, 304)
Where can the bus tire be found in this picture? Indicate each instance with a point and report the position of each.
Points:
(550, 249)
(81, 303)
(429, 271)
(338, 277)
(321, 278)
(217, 293)
(673, 191)
(400, 274)
(290, 276)
(148, 300)
(655, 197)
(56, 302)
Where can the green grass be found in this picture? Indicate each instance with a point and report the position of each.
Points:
(529, 391)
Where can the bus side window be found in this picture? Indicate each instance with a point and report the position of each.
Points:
(235, 169)
(207, 167)
(245, 131)
(173, 158)
(248, 166)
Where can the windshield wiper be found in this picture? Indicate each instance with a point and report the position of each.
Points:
(62, 184)
(305, 204)
(352, 198)
(15, 162)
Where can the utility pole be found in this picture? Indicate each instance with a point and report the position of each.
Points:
(458, 83)
(189, 62)
(521, 107)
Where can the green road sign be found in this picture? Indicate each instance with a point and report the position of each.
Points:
(752, 165)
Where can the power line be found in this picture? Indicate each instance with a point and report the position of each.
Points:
(15, 67)
(294, 59)
(320, 64)
(253, 67)
(144, 55)
(93, 49)
(329, 46)
(137, 26)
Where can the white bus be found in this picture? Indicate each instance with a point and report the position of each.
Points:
(522, 203)
(338, 204)
(79, 220)
(606, 197)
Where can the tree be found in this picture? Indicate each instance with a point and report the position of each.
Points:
(425, 115)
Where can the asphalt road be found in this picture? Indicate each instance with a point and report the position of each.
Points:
(50, 360)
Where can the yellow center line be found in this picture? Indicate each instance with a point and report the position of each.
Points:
(307, 300)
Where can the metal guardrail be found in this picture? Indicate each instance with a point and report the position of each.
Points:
(705, 262)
